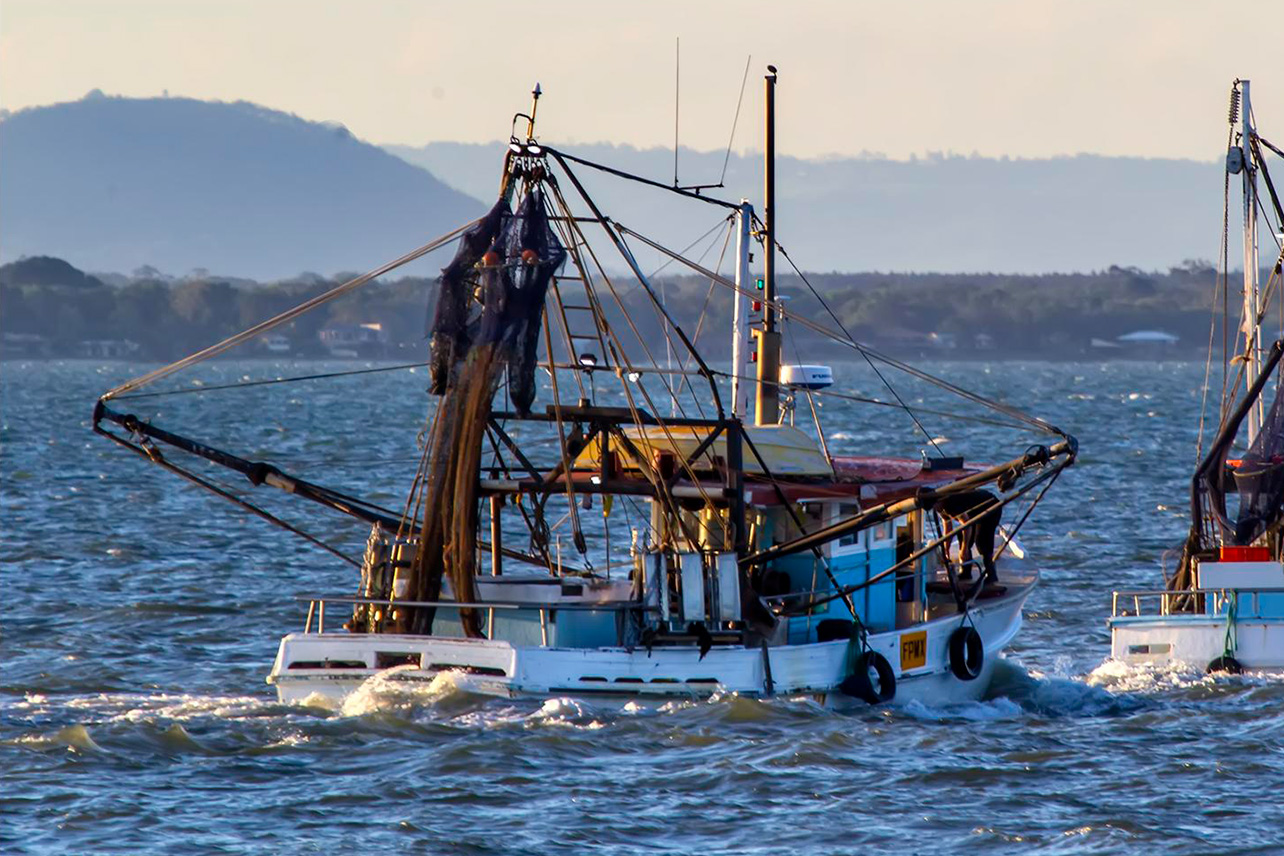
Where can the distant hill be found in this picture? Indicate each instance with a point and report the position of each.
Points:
(120, 183)
(937, 214)
(45, 270)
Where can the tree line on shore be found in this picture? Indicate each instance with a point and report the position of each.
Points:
(48, 307)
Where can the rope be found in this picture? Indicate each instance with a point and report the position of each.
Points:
(247, 384)
(622, 359)
(1219, 280)
(739, 103)
(149, 451)
(289, 315)
(704, 309)
(918, 554)
(789, 336)
(1231, 640)
(944, 414)
(886, 383)
(715, 227)
(848, 342)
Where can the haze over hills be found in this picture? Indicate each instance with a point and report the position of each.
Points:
(936, 214)
(112, 184)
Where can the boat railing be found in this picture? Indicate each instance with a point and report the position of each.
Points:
(1186, 601)
(317, 604)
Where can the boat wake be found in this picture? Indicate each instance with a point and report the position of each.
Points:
(1150, 679)
(102, 708)
(391, 691)
(1016, 693)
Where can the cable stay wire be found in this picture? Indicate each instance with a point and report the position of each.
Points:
(288, 315)
(1006, 409)
(917, 422)
(859, 399)
(736, 121)
(269, 381)
(1219, 285)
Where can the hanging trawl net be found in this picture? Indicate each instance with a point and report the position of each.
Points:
(1260, 478)
(505, 263)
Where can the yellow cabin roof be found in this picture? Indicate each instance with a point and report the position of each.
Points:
(786, 450)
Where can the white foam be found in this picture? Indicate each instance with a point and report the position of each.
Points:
(141, 707)
(974, 711)
(1118, 676)
(292, 739)
(558, 708)
(387, 690)
(566, 713)
(319, 701)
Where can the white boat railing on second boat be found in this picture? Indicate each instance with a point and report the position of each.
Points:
(1165, 599)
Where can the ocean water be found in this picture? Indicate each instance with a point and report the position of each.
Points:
(141, 615)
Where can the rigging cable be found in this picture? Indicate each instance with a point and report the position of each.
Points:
(732, 138)
(704, 309)
(807, 391)
(660, 486)
(148, 450)
(684, 251)
(267, 382)
(885, 381)
(1007, 410)
(858, 399)
(628, 176)
(288, 315)
(1219, 283)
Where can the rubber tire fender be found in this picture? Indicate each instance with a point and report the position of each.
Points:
(967, 654)
(859, 685)
(1227, 664)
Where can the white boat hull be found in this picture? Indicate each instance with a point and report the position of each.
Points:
(337, 664)
(1196, 641)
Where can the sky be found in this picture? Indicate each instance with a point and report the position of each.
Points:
(1024, 78)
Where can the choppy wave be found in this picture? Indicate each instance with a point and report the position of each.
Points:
(141, 618)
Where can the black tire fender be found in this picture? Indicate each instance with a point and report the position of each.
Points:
(860, 685)
(967, 654)
(1226, 663)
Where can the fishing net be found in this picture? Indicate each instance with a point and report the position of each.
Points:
(504, 264)
(1260, 478)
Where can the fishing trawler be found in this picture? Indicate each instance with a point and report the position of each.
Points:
(754, 560)
(1223, 607)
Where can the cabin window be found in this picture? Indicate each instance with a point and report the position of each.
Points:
(855, 540)
(881, 532)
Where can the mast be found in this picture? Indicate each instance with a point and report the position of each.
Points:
(767, 406)
(740, 312)
(1252, 294)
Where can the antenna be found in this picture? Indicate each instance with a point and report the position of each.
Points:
(530, 126)
(677, 79)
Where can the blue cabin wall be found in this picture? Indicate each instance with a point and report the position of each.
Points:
(567, 628)
(851, 564)
(1266, 604)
